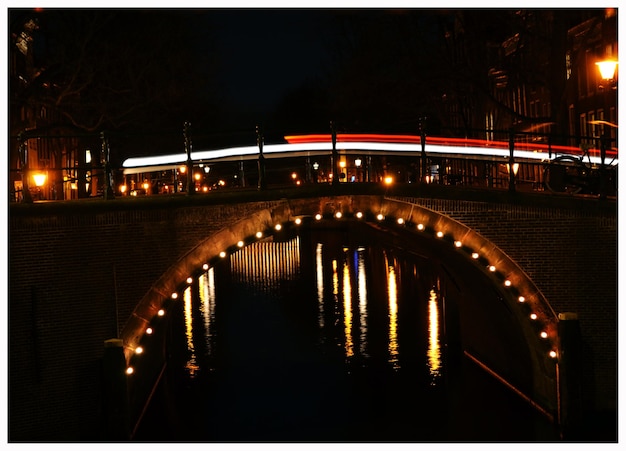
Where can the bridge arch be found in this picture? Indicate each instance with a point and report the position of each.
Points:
(536, 319)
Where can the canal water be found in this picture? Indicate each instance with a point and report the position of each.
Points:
(326, 336)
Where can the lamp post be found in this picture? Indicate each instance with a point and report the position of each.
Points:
(191, 185)
(262, 184)
(512, 166)
(358, 163)
(105, 159)
(607, 70)
(335, 156)
(40, 181)
(422, 127)
(26, 197)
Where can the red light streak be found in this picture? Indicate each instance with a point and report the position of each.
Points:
(434, 140)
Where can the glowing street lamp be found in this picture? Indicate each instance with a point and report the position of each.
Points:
(40, 179)
(607, 69)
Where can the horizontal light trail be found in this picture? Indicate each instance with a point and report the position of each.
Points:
(318, 145)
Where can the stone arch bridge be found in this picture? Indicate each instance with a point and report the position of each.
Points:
(81, 273)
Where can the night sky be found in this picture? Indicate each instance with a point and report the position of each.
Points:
(266, 53)
(228, 69)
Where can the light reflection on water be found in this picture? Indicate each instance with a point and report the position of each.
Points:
(314, 341)
(320, 283)
(392, 292)
(207, 300)
(362, 294)
(265, 264)
(347, 309)
(434, 348)
(192, 364)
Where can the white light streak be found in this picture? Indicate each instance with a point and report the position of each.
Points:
(162, 162)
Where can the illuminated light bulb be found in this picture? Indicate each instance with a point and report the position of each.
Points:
(259, 234)
(439, 234)
(400, 221)
(298, 221)
(533, 316)
(475, 255)
(318, 217)
(222, 254)
(278, 227)
(240, 243)
(553, 354)
(139, 350)
(359, 215)
(338, 215)
(507, 283)
(492, 268)
(161, 312)
(130, 370)
(420, 227)
(149, 331)
(543, 334)
(189, 279)
(380, 217)
(458, 244)
(205, 266)
(521, 299)
(174, 295)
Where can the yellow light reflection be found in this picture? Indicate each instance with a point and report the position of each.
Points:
(392, 291)
(207, 301)
(362, 302)
(266, 261)
(347, 310)
(191, 365)
(434, 349)
(319, 271)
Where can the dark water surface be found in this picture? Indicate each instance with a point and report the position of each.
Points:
(326, 337)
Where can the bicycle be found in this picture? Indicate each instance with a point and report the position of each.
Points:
(573, 174)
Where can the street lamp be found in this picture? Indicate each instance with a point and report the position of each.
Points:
(357, 163)
(40, 179)
(607, 69)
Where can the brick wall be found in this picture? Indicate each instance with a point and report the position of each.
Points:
(571, 256)
(74, 279)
